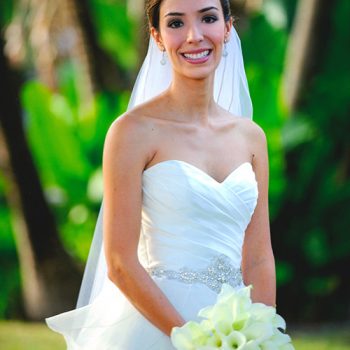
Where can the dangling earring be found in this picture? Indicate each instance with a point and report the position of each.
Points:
(224, 52)
(163, 60)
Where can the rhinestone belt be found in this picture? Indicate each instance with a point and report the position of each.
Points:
(219, 271)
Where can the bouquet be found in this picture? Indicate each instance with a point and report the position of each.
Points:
(234, 322)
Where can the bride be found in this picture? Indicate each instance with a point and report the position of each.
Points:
(185, 175)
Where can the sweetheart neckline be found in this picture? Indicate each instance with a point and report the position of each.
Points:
(163, 162)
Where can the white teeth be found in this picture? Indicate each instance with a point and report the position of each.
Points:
(197, 55)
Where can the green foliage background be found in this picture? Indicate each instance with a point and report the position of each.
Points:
(309, 156)
(313, 222)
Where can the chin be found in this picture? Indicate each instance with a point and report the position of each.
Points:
(198, 73)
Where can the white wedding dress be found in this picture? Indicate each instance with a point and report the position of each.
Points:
(191, 242)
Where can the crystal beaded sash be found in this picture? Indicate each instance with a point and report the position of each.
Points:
(219, 271)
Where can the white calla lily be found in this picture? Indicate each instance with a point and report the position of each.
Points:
(234, 322)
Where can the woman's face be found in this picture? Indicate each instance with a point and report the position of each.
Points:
(192, 33)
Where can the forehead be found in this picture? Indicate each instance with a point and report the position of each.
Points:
(187, 6)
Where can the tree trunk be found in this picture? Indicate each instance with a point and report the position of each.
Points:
(105, 74)
(307, 31)
(45, 32)
(50, 279)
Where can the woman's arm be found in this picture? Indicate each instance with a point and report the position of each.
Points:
(124, 158)
(258, 263)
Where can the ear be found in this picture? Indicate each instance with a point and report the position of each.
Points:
(157, 38)
(228, 27)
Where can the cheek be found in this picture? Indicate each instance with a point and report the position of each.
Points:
(218, 39)
(173, 41)
(216, 33)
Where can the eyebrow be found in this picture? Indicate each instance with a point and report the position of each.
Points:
(200, 11)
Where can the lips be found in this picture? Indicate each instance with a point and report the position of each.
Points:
(198, 56)
(194, 52)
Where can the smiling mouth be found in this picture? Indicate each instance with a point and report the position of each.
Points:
(197, 56)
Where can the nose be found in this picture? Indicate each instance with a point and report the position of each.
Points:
(194, 34)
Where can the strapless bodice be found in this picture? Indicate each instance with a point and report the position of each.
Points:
(189, 218)
(191, 238)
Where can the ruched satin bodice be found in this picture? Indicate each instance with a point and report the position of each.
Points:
(188, 217)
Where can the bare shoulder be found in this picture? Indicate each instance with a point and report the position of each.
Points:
(129, 126)
(140, 121)
(251, 130)
(131, 136)
(255, 140)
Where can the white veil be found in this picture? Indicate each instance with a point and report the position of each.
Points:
(230, 92)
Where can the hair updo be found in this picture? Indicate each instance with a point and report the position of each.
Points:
(153, 10)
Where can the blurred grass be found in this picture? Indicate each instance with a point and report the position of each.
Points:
(36, 336)
(28, 336)
(325, 337)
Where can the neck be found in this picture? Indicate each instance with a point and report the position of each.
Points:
(193, 99)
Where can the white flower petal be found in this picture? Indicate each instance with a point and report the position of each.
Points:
(280, 338)
(187, 336)
(251, 345)
(269, 345)
(279, 322)
(258, 331)
(235, 340)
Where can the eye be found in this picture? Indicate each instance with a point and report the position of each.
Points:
(175, 24)
(210, 19)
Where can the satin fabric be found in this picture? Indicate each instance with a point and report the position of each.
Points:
(188, 219)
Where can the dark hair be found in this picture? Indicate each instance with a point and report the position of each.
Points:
(153, 9)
